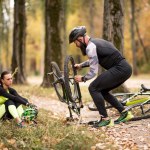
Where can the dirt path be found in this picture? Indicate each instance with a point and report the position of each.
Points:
(130, 136)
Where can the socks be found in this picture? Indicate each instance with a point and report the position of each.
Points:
(20, 110)
(2, 110)
(13, 111)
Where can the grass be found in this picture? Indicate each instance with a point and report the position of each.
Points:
(27, 91)
(50, 132)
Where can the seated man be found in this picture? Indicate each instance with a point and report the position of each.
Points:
(10, 101)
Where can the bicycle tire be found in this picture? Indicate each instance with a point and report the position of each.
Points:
(59, 84)
(74, 93)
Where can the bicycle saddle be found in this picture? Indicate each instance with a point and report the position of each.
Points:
(144, 88)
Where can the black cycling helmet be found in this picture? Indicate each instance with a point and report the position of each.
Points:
(76, 32)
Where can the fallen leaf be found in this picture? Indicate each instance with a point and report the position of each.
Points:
(12, 141)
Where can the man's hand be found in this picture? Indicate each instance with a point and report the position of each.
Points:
(78, 78)
(78, 66)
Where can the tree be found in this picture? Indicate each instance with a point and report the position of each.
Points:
(113, 22)
(133, 37)
(91, 5)
(53, 52)
(1, 31)
(146, 56)
(19, 37)
(113, 25)
(4, 33)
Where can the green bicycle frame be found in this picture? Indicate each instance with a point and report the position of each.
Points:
(137, 101)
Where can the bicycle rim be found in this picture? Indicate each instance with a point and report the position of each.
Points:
(59, 85)
(72, 87)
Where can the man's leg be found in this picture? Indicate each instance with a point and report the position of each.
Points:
(103, 82)
(113, 101)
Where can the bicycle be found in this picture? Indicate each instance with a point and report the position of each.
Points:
(138, 103)
(67, 90)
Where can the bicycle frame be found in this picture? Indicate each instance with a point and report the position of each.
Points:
(131, 102)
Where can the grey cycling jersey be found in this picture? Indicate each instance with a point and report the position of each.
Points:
(100, 52)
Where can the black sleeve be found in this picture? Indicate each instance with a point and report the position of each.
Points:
(14, 92)
(15, 98)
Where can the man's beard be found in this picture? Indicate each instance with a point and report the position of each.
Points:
(83, 48)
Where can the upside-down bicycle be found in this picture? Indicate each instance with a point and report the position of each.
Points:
(67, 90)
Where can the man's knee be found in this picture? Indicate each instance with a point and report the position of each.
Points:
(91, 88)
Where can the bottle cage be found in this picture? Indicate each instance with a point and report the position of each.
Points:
(29, 114)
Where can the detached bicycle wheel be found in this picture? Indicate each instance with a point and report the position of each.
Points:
(58, 82)
(72, 87)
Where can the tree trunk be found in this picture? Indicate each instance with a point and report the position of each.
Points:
(113, 22)
(53, 52)
(91, 18)
(7, 26)
(133, 38)
(1, 33)
(113, 26)
(64, 31)
(141, 42)
(19, 37)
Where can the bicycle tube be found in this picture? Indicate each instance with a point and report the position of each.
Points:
(137, 101)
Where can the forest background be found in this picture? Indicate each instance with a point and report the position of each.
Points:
(39, 17)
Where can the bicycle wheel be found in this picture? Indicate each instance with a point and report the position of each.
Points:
(58, 82)
(72, 87)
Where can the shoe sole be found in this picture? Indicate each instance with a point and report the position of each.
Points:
(109, 125)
